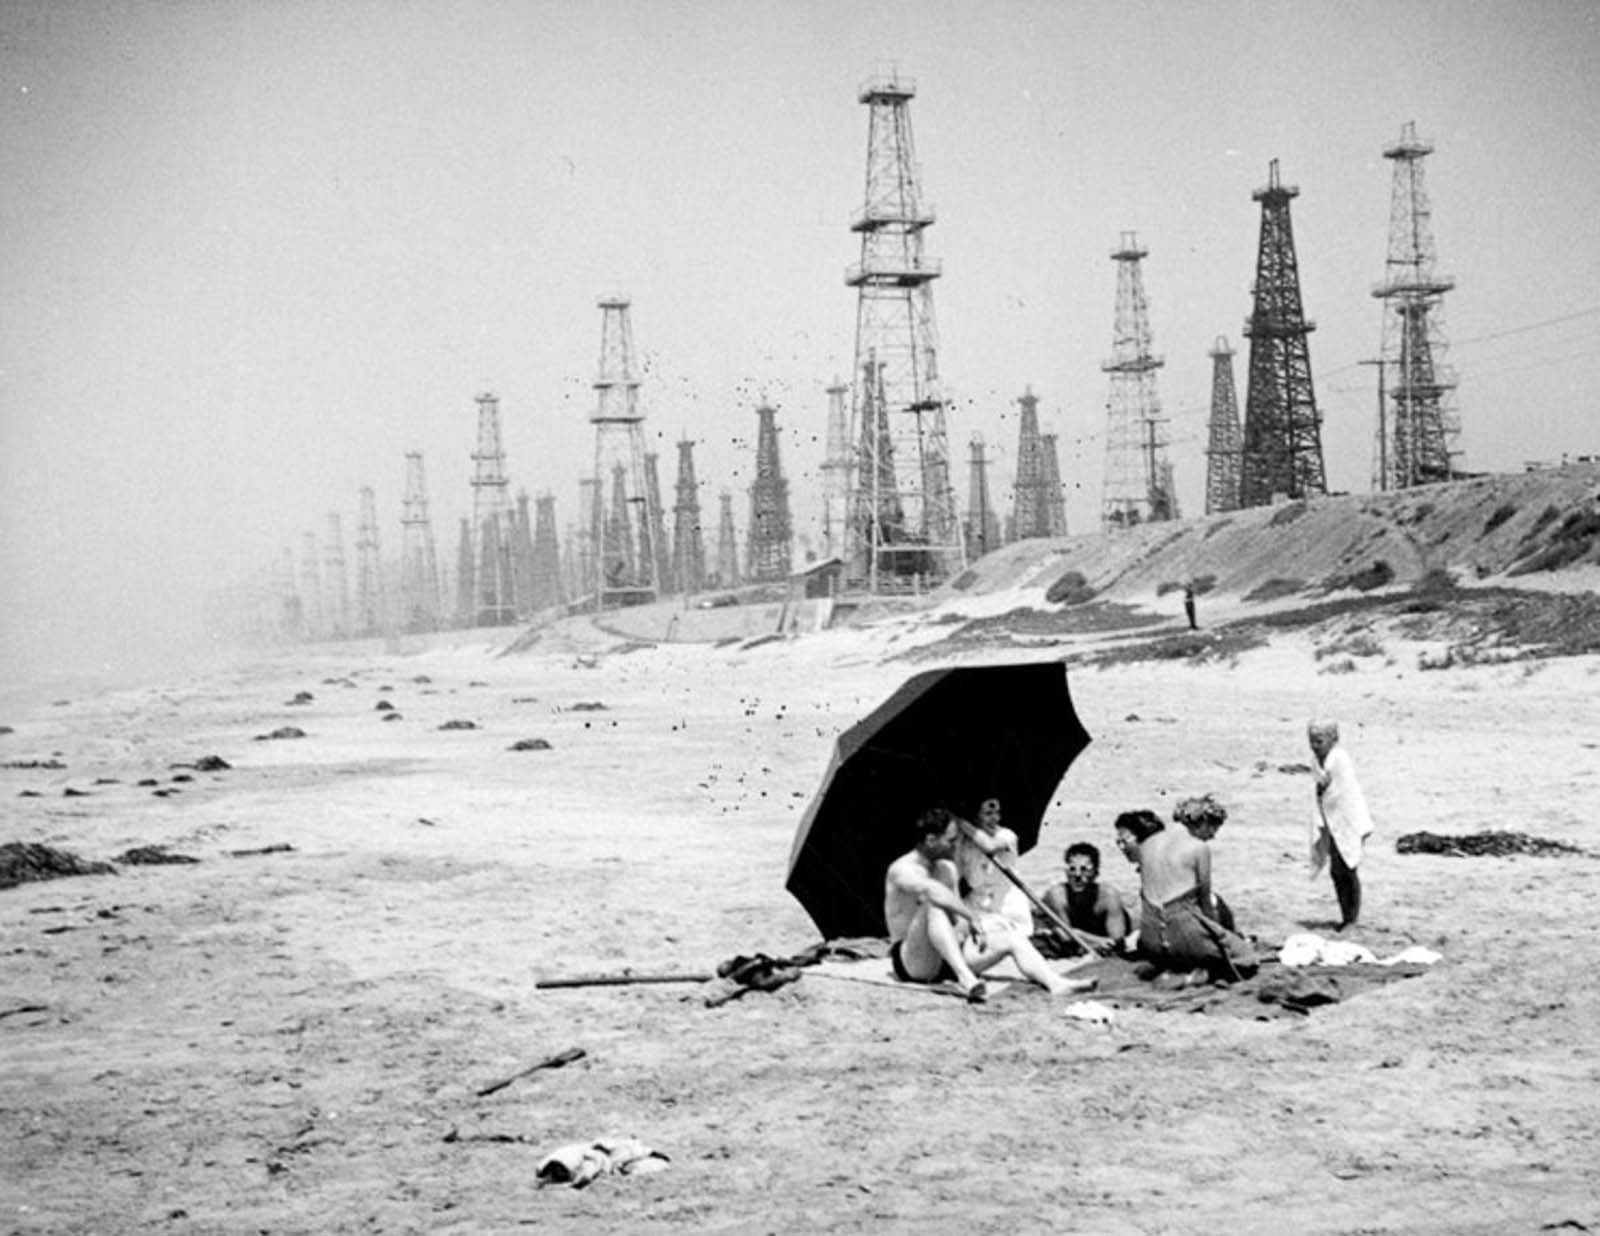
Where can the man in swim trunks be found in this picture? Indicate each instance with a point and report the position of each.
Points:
(934, 937)
(1088, 906)
(1178, 927)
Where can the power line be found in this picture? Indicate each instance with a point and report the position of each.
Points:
(1522, 330)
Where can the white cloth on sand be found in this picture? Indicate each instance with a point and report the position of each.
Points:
(579, 1163)
(1340, 816)
(1308, 949)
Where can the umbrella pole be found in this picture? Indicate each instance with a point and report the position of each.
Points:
(1056, 921)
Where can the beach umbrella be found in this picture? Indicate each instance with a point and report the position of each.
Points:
(947, 738)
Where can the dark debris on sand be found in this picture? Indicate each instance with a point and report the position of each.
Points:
(23, 862)
(1492, 844)
(152, 856)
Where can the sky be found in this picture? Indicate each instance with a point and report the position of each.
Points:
(252, 253)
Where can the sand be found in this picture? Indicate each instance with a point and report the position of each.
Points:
(294, 1041)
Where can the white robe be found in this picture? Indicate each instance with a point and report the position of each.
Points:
(1340, 816)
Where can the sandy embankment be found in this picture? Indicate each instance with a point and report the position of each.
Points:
(283, 1042)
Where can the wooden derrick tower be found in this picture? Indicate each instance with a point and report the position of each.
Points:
(1224, 444)
(493, 522)
(547, 590)
(904, 525)
(1417, 422)
(369, 568)
(983, 525)
(1282, 428)
(688, 542)
(1137, 479)
(770, 533)
(626, 566)
(419, 560)
(335, 581)
(1030, 514)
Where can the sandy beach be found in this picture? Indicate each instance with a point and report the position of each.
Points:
(294, 1041)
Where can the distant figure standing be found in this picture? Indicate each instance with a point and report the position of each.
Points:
(1188, 606)
(1340, 823)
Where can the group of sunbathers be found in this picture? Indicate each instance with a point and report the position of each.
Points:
(955, 907)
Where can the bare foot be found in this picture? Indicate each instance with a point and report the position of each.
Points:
(978, 993)
(1071, 987)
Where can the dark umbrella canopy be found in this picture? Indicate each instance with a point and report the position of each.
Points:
(946, 738)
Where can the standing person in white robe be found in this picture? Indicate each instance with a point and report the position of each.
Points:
(1340, 823)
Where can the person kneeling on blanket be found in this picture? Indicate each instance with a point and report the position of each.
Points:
(934, 937)
(1178, 926)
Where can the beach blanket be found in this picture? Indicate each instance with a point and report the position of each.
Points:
(1339, 817)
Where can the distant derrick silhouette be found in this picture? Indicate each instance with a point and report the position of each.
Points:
(370, 617)
(1224, 443)
(546, 572)
(771, 537)
(628, 570)
(688, 542)
(419, 560)
(492, 522)
(1030, 505)
(983, 525)
(1282, 428)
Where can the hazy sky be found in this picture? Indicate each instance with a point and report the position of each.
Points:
(251, 253)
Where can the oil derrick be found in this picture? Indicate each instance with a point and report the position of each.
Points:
(1416, 419)
(291, 613)
(1282, 428)
(311, 600)
(369, 568)
(1223, 443)
(688, 544)
(983, 525)
(659, 545)
(771, 537)
(903, 518)
(419, 560)
(492, 522)
(727, 545)
(522, 555)
(836, 471)
(586, 555)
(466, 577)
(335, 582)
(1055, 501)
(545, 571)
(624, 574)
(1135, 481)
(1029, 512)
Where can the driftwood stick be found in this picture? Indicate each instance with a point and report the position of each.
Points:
(550, 1062)
(622, 980)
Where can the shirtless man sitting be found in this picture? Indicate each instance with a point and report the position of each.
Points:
(1091, 908)
(934, 937)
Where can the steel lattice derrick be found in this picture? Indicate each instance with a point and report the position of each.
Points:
(770, 536)
(419, 560)
(688, 543)
(1136, 488)
(1224, 444)
(1282, 428)
(903, 521)
(1417, 425)
(626, 567)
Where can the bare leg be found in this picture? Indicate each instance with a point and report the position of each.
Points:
(1029, 961)
(932, 938)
